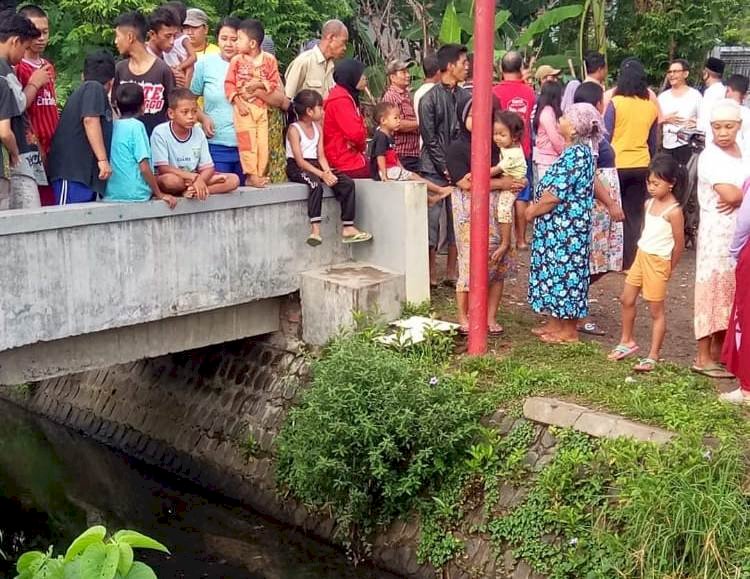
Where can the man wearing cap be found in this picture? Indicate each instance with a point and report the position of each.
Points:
(407, 135)
(516, 95)
(196, 27)
(713, 93)
(547, 73)
(313, 69)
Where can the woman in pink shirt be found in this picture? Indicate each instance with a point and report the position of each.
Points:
(549, 142)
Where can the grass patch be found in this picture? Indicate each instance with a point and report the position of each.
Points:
(384, 433)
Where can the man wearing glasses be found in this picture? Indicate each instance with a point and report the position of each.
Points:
(679, 105)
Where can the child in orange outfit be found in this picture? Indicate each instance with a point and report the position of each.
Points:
(250, 71)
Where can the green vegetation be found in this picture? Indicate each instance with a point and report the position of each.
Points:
(382, 433)
(92, 556)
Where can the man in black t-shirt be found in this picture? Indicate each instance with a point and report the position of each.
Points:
(20, 189)
(79, 155)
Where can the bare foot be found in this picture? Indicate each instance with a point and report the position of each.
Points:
(189, 192)
(256, 181)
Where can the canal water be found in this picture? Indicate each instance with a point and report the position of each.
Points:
(54, 484)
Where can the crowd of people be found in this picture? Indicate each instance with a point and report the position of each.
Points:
(602, 173)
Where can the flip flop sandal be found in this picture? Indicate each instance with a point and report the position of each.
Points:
(621, 351)
(591, 329)
(713, 370)
(645, 365)
(495, 330)
(314, 240)
(357, 237)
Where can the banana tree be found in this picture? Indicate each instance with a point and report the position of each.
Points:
(594, 13)
(458, 26)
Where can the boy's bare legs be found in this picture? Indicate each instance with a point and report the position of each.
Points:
(171, 184)
(223, 183)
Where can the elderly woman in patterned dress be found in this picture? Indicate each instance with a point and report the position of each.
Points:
(721, 173)
(559, 268)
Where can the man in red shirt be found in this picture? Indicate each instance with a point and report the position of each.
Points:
(516, 95)
(37, 76)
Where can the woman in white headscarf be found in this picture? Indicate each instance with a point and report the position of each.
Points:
(721, 173)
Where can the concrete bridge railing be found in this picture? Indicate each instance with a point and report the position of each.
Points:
(91, 285)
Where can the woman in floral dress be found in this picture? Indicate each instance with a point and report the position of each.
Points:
(721, 173)
(559, 268)
(459, 168)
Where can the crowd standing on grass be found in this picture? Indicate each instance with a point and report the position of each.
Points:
(611, 179)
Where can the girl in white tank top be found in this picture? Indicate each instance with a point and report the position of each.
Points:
(659, 249)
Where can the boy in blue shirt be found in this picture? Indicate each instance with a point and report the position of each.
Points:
(132, 178)
(180, 153)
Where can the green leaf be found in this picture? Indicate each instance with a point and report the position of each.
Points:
(140, 571)
(54, 569)
(139, 541)
(111, 560)
(89, 537)
(546, 21)
(30, 561)
(91, 561)
(501, 17)
(450, 28)
(126, 558)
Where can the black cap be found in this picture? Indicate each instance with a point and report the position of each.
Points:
(715, 65)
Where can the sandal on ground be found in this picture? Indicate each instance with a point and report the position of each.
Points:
(645, 365)
(712, 370)
(621, 351)
(495, 330)
(555, 339)
(357, 237)
(540, 331)
(591, 329)
(463, 330)
(314, 240)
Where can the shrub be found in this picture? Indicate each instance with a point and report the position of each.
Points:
(374, 431)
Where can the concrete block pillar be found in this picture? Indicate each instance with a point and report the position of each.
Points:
(331, 295)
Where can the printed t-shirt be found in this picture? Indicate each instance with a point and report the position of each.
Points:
(157, 82)
(190, 154)
(130, 146)
(71, 156)
(382, 146)
(208, 81)
(42, 112)
(519, 97)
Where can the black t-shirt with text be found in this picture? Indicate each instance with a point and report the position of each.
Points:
(71, 156)
(157, 82)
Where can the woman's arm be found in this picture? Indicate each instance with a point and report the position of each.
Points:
(546, 203)
(549, 123)
(730, 197)
(609, 121)
(601, 193)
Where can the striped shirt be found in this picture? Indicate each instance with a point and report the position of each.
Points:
(42, 113)
(407, 144)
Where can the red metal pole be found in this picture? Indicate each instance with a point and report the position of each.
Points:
(481, 139)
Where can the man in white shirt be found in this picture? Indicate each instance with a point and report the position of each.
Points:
(714, 92)
(431, 70)
(737, 86)
(680, 105)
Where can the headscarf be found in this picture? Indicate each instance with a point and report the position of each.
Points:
(347, 74)
(726, 110)
(569, 94)
(587, 122)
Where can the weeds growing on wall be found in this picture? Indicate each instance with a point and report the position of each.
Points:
(381, 433)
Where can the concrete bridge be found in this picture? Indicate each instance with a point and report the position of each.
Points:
(89, 286)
